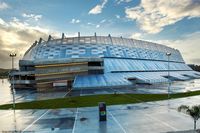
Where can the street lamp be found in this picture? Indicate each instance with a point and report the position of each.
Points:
(168, 55)
(13, 55)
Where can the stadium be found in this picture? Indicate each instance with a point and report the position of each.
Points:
(86, 62)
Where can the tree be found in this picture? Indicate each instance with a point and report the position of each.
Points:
(193, 111)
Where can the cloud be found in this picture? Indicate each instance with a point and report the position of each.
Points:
(103, 21)
(2, 22)
(3, 6)
(188, 45)
(136, 36)
(17, 36)
(89, 23)
(153, 15)
(121, 1)
(75, 21)
(98, 8)
(32, 16)
(97, 26)
(117, 16)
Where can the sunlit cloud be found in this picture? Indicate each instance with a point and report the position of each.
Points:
(121, 1)
(152, 15)
(17, 36)
(32, 16)
(98, 8)
(136, 36)
(2, 22)
(187, 45)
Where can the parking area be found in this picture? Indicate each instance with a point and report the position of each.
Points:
(150, 117)
(31, 95)
(147, 117)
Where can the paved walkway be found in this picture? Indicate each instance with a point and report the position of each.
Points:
(31, 95)
(150, 117)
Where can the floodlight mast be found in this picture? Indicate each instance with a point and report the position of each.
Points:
(13, 55)
(169, 81)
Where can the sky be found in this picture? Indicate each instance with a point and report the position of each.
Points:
(174, 23)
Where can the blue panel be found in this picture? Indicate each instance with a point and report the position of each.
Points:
(44, 51)
(120, 79)
(114, 64)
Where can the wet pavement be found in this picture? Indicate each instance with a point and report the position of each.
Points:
(31, 95)
(147, 117)
(25, 95)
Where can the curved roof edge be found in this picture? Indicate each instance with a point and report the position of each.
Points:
(103, 40)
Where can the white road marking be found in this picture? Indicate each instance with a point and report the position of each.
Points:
(75, 121)
(67, 93)
(41, 115)
(36, 120)
(117, 122)
(162, 122)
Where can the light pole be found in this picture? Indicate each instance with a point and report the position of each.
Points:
(13, 55)
(168, 55)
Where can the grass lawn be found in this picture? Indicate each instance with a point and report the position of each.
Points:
(93, 100)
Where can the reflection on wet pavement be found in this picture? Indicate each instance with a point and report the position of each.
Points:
(25, 95)
(30, 95)
(151, 117)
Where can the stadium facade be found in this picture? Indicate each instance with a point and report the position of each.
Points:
(98, 62)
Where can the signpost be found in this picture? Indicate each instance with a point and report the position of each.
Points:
(102, 111)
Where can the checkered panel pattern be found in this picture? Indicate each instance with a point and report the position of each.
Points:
(101, 47)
